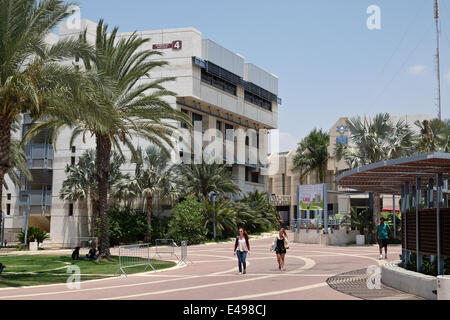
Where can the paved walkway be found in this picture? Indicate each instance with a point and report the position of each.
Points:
(214, 275)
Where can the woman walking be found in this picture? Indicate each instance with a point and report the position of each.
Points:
(241, 248)
(279, 245)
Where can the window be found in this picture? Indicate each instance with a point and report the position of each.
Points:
(247, 140)
(8, 209)
(260, 102)
(196, 117)
(74, 149)
(8, 196)
(70, 209)
(218, 82)
(72, 161)
(166, 207)
(255, 177)
(184, 124)
(247, 173)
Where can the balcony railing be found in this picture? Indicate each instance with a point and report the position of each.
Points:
(37, 198)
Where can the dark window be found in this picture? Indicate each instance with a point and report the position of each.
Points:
(283, 183)
(72, 160)
(8, 209)
(166, 207)
(184, 124)
(74, 149)
(255, 177)
(8, 196)
(218, 82)
(70, 209)
(260, 102)
(247, 140)
(247, 173)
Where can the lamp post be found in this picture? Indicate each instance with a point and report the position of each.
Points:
(213, 196)
(26, 213)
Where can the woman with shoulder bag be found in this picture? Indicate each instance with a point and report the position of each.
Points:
(279, 245)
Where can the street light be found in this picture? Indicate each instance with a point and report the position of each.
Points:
(25, 222)
(213, 196)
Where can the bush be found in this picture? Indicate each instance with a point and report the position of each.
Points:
(188, 222)
(226, 225)
(160, 227)
(125, 225)
(34, 234)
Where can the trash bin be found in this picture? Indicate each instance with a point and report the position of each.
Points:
(443, 287)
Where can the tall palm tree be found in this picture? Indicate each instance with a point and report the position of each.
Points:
(312, 155)
(28, 66)
(434, 136)
(373, 141)
(80, 182)
(201, 179)
(153, 178)
(137, 108)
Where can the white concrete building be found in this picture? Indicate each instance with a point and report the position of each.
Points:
(214, 86)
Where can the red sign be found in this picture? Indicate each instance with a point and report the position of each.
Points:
(175, 45)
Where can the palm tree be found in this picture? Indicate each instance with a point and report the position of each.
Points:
(201, 179)
(373, 141)
(80, 182)
(136, 109)
(312, 155)
(263, 213)
(434, 136)
(28, 66)
(153, 178)
(225, 217)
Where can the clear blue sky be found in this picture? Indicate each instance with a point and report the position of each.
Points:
(329, 64)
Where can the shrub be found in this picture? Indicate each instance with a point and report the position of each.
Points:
(226, 218)
(160, 227)
(125, 225)
(34, 234)
(188, 222)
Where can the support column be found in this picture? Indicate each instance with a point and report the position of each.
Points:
(407, 208)
(418, 188)
(440, 264)
(394, 217)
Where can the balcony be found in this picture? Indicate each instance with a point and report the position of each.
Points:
(37, 198)
(39, 155)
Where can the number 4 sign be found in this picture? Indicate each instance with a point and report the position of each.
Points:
(177, 44)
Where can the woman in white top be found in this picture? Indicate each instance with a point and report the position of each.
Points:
(242, 247)
(279, 245)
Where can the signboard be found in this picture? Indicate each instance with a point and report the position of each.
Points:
(175, 45)
(311, 197)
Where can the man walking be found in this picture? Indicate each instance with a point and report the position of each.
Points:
(383, 234)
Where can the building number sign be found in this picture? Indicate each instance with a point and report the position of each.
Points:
(175, 45)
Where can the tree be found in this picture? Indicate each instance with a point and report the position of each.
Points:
(312, 155)
(153, 178)
(136, 108)
(261, 215)
(29, 71)
(80, 182)
(373, 141)
(434, 136)
(201, 179)
(226, 217)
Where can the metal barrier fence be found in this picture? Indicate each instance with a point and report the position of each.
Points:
(165, 246)
(134, 256)
(184, 256)
(85, 242)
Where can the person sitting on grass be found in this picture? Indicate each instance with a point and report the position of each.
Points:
(93, 253)
(76, 254)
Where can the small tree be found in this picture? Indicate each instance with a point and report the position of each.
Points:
(33, 234)
(187, 222)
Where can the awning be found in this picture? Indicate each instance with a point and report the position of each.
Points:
(388, 176)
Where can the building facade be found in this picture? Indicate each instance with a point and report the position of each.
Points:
(217, 88)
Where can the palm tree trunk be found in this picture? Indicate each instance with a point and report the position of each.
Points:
(103, 150)
(5, 144)
(149, 211)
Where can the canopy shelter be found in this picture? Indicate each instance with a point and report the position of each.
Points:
(389, 176)
(425, 210)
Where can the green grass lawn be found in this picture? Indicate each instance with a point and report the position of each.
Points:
(29, 270)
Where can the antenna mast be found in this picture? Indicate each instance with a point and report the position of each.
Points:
(438, 67)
